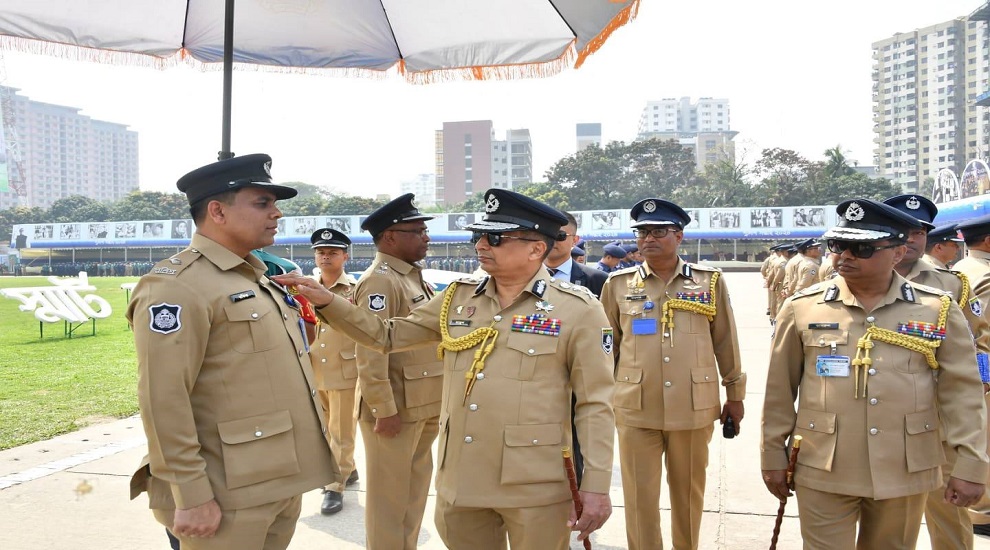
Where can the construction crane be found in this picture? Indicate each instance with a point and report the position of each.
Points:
(10, 139)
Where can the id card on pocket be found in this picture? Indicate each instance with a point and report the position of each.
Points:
(644, 326)
(832, 365)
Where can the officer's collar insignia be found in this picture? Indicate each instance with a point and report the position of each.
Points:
(649, 207)
(491, 205)
(481, 286)
(687, 270)
(326, 235)
(175, 261)
(907, 292)
(544, 305)
(854, 212)
(642, 272)
(913, 203)
(832, 293)
(540, 288)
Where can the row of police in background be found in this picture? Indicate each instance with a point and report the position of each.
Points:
(849, 350)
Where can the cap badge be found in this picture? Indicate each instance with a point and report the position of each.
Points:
(412, 202)
(649, 207)
(268, 168)
(913, 203)
(326, 235)
(855, 212)
(491, 205)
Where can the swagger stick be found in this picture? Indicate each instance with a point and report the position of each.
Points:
(575, 496)
(795, 449)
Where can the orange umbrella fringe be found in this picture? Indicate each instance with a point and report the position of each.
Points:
(508, 71)
(626, 15)
(72, 52)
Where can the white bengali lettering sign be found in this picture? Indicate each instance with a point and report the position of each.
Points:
(61, 301)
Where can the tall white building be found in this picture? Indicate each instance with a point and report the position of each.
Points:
(424, 186)
(704, 127)
(53, 151)
(925, 86)
(588, 133)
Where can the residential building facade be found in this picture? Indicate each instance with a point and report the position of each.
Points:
(703, 126)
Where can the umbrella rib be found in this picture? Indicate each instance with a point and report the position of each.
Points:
(561, 16)
(185, 24)
(392, 32)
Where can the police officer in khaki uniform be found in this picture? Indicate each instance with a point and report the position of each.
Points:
(944, 245)
(765, 273)
(227, 396)
(791, 270)
(807, 271)
(675, 338)
(976, 234)
(399, 394)
(777, 275)
(949, 526)
(332, 355)
(849, 350)
(515, 345)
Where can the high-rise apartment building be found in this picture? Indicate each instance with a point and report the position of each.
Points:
(588, 133)
(470, 160)
(424, 186)
(58, 152)
(925, 84)
(703, 127)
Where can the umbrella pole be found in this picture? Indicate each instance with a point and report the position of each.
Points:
(228, 77)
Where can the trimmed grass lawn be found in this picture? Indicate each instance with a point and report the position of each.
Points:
(53, 385)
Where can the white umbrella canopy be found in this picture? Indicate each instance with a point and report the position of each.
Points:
(503, 38)
(424, 40)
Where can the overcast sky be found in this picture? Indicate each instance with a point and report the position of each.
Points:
(796, 74)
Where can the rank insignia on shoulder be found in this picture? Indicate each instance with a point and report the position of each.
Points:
(243, 295)
(164, 271)
(976, 307)
(376, 302)
(536, 324)
(165, 318)
(608, 340)
(175, 261)
(929, 331)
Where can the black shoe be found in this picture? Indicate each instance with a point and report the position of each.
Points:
(983, 529)
(352, 479)
(333, 502)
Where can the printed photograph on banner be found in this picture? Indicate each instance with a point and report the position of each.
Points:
(605, 219)
(457, 222)
(99, 231)
(69, 231)
(304, 226)
(43, 232)
(766, 217)
(181, 229)
(724, 219)
(340, 223)
(153, 230)
(126, 230)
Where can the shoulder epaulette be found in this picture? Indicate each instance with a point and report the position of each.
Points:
(177, 263)
(812, 290)
(573, 289)
(624, 271)
(468, 280)
(931, 290)
(703, 267)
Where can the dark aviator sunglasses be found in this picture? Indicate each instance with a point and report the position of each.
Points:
(862, 251)
(495, 239)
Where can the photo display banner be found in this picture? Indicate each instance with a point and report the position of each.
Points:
(706, 223)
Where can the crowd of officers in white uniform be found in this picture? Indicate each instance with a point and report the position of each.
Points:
(877, 367)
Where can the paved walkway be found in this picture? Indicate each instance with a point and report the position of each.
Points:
(71, 491)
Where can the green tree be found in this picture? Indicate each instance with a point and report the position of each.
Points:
(836, 164)
(594, 177)
(150, 205)
(77, 208)
(724, 183)
(18, 215)
(657, 168)
(311, 205)
(783, 175)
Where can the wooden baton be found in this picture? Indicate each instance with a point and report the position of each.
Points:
(791, 464)
(575, 495)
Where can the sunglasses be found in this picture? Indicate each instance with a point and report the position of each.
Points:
(655, 232)
(857, 249)
(495, 239)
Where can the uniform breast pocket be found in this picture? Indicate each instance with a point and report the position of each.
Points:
(534, 348)
(532, 454)
(348, 365)
(251, 328)
(258, 449)
(820, 342)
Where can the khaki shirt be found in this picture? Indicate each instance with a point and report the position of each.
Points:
(668, 380)
(934, 261)
(407, 383)
(790, 273)
(807, 273)
(226, 392)
(765, 267)
(827, 271)
(777, 273)
(974, 265)
(500, 446)
(332, 353)
(884, 445)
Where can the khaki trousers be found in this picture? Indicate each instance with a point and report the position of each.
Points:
(642, 455)
(949, 526)
(341, 431)
(980, 512)
(266, 527)
(828, 521)
(533, 528)
(397, 480)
